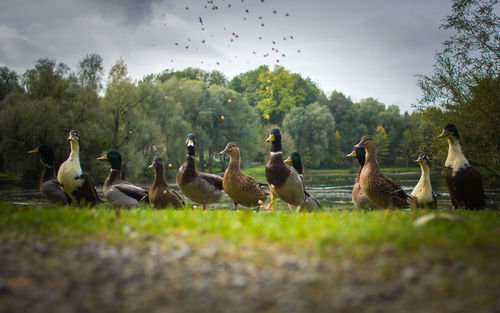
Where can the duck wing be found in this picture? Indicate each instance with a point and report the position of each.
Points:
(131, 190)
(87, 192)
(212, 179)
(398, 195)
(51, 189)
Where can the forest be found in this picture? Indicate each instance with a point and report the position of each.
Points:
(152, 116)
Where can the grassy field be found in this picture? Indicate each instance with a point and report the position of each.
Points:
(324, 234)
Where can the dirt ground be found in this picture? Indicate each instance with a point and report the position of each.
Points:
(169, 276)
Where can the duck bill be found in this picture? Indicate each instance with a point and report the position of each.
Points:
(288, 160)
(223, 151)
(351, 155)
(359, 145)
(151, 166)
(190, 143)
(103, 158)
(443, 134)
(270, 138)
(34, 151)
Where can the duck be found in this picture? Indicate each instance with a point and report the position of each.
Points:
(199, 187)
(160, 194)
(310, 203)
(240, 187)
(422, 195)
(284, 181)
(360, 200)
(74, 182)
(380, 189)
(117, 192)
(464, 182)
(49, 185)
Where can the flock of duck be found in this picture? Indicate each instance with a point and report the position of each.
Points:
(372, 190)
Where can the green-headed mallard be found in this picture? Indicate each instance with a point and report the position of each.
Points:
(310, 203)
(199, 187)
(380, 190)
(49, 185)
(422, 195)
(360, 200)
(74, 181)
(160, 194)
(464, 182)
(116, 191)
(284, 181)
(241, 188)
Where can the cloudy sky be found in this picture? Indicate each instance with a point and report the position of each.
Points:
(363, 48)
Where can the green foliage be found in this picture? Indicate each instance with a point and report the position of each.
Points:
(382, 143)
(9, 82)
(311, 129)
(464, 87)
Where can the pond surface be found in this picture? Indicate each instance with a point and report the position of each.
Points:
(332, 190)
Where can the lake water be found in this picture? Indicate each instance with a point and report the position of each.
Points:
(332, 190)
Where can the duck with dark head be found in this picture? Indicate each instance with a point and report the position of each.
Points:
(464, 182)
(117, 192)
(380, 189)
(199, 187)
(360, 200)
(74, 182)
(49, 185)
(283, 181)
(310, 203)
(422, 195)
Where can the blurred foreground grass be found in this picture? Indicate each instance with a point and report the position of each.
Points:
(329, 234)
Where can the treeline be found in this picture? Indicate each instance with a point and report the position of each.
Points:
(152, 117)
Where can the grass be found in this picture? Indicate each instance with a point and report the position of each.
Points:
(324, 234)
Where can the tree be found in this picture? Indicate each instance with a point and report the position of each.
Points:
(463, 88)
(337, 156)
(311, 128)
(382, 143)
(90, 71)
(9, 82)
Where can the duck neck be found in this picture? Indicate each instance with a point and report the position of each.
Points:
(114, 177)
(234, 160)
(75, 151)
(48, 173)
(160, 177)
(190, 150)
(371, 158)
(276, 146)
(425, 178)
(456, 158)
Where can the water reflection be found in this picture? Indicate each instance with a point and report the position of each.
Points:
(333, 190)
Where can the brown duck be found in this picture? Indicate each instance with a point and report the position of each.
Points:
(283, 181)
(199, 187)
(360, 200)
(464, 182)
(49, 185)
(241, 188)
(380, 190)
(160, 194)
(116, 191)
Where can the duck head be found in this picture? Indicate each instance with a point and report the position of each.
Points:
(230, 149)
(359, 154)
(191, 143)
(114, 158)
(367, 142)
(73, 136)
(294, 158)
(449, 131)
(423, 159)
(157, 163)
(275, 140)
(46, 154)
